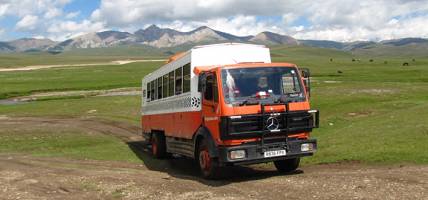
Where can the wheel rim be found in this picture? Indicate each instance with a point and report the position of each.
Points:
(204, 160)
(154, 147)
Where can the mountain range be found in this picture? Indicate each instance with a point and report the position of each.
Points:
(157, 37)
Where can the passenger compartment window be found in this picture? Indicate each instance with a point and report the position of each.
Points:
(178, 81)
(152, 91)
(159, 89)
(149, 91)
(165, 86)
(186, 78)
(171, 84)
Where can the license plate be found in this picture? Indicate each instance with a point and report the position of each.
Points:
(276, 153)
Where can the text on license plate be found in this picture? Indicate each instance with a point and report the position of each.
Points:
(275, 153)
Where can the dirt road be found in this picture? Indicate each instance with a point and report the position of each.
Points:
(27, 177)
(36, 67)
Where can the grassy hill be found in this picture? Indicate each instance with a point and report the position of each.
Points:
(386, 51)
(405, 53)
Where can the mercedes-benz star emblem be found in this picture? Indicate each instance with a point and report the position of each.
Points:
(272, 123)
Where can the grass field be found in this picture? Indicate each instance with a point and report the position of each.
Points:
(74, 78)
(39, 141)
(373, 112)
(95, 55)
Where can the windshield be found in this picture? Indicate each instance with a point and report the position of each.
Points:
(261, 84)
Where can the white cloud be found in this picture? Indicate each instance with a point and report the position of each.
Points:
(3, 9)
(317, 19)
(323, 19)
(242, 25)
(53, 12)
(119, 14)
(72, 15)
(62, 30)
(22, 8)
(289, 18)
(46, 18)
(238, 25)
(28, 22)
(72, 26)
(39, 37)
(414, 27)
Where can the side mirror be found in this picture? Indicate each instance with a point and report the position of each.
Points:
(306, 76)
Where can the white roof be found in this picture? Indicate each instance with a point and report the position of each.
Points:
(229, 53)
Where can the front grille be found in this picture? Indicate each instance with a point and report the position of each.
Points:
(248, 126)
(300, 120)
(245, 124)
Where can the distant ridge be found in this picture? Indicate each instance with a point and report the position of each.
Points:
(157, 37)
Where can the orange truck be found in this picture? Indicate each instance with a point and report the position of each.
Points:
(228, 104)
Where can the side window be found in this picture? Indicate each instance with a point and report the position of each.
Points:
(149, 91)
(186, 78)
(211, 91)
(155, 91)
(178, 81)
(215, 88)
(165, 86)
(208, 93)
(171, 84)
(152, 91)
(201, 82)
(159, 89)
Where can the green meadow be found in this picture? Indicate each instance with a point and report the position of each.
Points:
(80, 56)
(373, 109)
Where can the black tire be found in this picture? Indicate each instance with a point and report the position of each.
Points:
(158, 145)
(208, 165)
(287, 166)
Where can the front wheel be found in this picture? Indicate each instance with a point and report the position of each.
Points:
(208, 165)
(158, 145)
(288, 165)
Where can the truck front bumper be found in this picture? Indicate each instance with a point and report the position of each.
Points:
(255, 152)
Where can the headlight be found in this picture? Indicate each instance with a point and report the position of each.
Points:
(306, 147)
(237, 154)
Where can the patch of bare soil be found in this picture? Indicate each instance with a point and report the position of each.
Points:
(131, 91)
(27, 177)
(375, 91)
(360, 114)
(124, 131)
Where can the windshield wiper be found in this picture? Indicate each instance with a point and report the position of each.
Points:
(288, 97)
(251, 100)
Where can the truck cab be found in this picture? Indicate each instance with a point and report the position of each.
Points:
(258, 112)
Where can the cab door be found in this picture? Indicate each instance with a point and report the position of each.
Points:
(210, 105)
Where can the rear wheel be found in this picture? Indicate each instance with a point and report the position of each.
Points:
(208, 165)
(158, 145)
(287, 166)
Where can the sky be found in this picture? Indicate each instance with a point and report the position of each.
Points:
(338, 20)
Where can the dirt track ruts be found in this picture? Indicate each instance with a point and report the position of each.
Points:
(28, 177)
(36, 67)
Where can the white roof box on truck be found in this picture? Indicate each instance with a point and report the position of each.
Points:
(229, 53)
